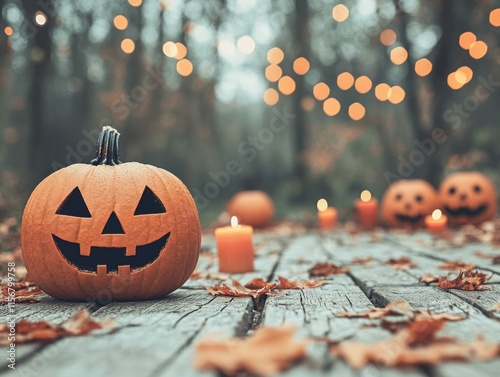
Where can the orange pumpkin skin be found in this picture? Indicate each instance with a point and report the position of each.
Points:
(253, 208)
(406, 203)
(105, 190)
(468, 198)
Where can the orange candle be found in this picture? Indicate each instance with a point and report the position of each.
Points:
(366, 209)
(235, 247)
(436, 222)
(327, 216)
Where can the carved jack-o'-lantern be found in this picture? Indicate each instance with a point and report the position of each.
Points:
(406, 203)
(468, 198)
(110, 230)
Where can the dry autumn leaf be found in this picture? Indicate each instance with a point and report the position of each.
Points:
(414, 345)
(238, 290)
(326, 269)
(457, 265)
(394, 308)
(23, 291)
(266, 352)
(298, 284)
(466, 281)
(402, 263)
(79, 324)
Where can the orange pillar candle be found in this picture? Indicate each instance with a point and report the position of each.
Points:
(327, 216)
(436, 222)
(235, 247)
(367, 209)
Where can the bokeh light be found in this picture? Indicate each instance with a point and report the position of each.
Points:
(135, 3)
(478, 49)
(396, 94)
(170, 49)
(128, 46)
(271, 96)
(273, 72)
(321, 91)
(381, 91)
(286, 85)
(363, 84)
(423, 67)
(331, 107)
(8, 31)
(120, 22)
(246, 44)
(345, 81)
(181, 51)
(275, 55)
(357, 111)
(463, 75)
(388, 37)
(322, 205)
(40, 18)
(399, 55)
(307, 103)
(340, 13)
(365, 196)
(184, 67)
(301, 66)
(452, 81)
(466, 39)
(495, 17)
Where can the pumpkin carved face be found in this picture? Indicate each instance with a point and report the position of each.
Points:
(468, 198)
(406, 203)
(122, 231)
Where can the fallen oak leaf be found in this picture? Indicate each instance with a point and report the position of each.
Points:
(326, 269)
(266, 352)
(457, 265)
(466, 281)
(79, 324)
(402, 263)
(238, 290)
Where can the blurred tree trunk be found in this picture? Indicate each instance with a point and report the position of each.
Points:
(302, 40)
(40, 46)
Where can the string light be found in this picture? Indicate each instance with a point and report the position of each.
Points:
(271, 96)
(340, 13)
(120, 22)
(273, 72)
(363, 84)
(8, 31)
(275, 55)
(478, 49)
(466, 39)
(345, 81)
(301, 66)
(181, 51)
(321, 91)
(135, 3)
(286, 85)
(465, 74)
(128, 46)
(399, 55)
(423, 67)
(357, 111)
(396, 94)
(452, 81)
(184, 67)
(40, 18)
(495, 17)
(381, 91)
(388, 37)
(170, 49)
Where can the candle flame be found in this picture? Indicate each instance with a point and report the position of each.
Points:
(322, 205)
(436, 214)
(365, 196)
(234, 221)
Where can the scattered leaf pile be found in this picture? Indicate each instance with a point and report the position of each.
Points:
(79, 324)
(402, 263)
(266, 352)
(466, 280)
(24, 291)
(326, 269)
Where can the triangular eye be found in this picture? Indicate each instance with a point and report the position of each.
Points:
(74, 205)
(149, 204)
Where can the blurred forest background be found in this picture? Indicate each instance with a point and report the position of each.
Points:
(313, 98)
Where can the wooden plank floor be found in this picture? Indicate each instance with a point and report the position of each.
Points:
(156, 338)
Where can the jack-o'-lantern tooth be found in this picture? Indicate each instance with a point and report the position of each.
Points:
(124, 270)
(102, 269)
(130, 252)
(85, 250)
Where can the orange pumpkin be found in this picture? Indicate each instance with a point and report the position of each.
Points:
(110, 230)
(406, 203)
(253, 208)
(468, 198)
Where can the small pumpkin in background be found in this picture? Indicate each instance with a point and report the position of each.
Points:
(110, 230)
(406, 203)
(468, 198)
(253, 208)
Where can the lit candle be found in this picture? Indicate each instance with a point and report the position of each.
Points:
(436, 222)
(367, 209)
(235, 247)
(327, 216)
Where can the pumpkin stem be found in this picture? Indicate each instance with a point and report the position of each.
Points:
(107, 150)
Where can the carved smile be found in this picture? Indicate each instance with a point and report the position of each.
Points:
(110, 257)
(409, 219)
(465, 211)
